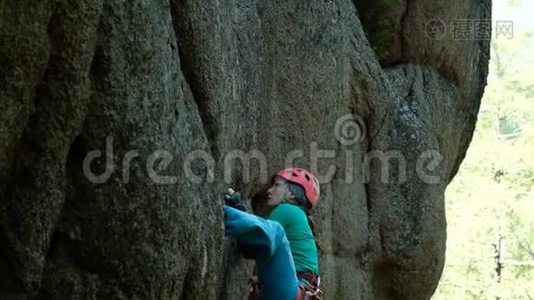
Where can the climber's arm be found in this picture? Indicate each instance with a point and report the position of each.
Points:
(257, 237)
(266, 242)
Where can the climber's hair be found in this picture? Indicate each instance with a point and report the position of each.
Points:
(298, 193)
(300, 197)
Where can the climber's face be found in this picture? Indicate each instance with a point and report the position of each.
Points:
(278, 192)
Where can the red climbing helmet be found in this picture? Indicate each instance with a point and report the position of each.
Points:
(306, 179)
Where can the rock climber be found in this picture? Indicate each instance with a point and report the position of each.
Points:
(294, 192)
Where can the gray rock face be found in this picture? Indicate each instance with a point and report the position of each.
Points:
(119, 121)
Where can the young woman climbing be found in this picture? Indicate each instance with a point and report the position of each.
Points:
(294, 192)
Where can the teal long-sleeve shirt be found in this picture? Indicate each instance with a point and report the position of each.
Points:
(299, 234)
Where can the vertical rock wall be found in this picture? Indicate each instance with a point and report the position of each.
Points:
(119, 120)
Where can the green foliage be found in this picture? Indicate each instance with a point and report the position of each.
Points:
(493, 193)
(515, 3)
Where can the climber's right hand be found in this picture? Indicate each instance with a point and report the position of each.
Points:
(233, 199)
